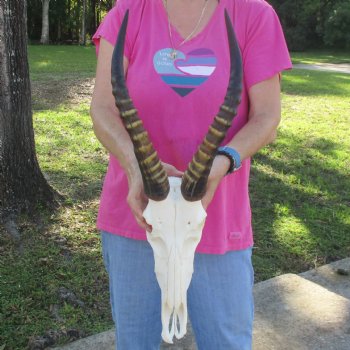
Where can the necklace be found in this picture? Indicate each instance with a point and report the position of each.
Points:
(173, 53)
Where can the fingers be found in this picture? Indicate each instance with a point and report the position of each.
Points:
(137, 202)
(137, 211)
(207, 199)
(171, 170)
(217, 172)
(143, 224)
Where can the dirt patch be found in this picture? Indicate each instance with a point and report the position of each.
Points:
(50, 94)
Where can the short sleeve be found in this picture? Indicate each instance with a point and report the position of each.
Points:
(110, 25)
(265, 51)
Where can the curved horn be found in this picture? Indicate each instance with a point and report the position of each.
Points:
(195, 179)
(155, 179)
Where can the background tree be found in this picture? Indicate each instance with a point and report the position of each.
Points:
(22, 185)
(93, 23)
(337, 27)
(83, 24)
(45, 34)
(306, 23)
(66, 19)
(314, 23)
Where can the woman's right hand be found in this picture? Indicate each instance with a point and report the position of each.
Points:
(137, 200)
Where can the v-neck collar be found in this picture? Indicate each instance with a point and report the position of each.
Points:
(204, 30)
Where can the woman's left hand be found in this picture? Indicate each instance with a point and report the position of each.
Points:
(218, 170)
(171, 170)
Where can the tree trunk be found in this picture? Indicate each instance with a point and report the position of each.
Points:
(69, 13)
(22, 185)
(83, 25)
(59, 30)
(93, 17)
(45, 36)
(98, 14)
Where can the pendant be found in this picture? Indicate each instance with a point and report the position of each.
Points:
(173, 54)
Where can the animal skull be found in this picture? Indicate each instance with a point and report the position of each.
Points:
(176, 231)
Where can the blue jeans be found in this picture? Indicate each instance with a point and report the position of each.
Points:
(220, 301)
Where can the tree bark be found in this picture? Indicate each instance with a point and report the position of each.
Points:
(93, 17)
(69, 13)
(22, 185)
(45, 29)
(83, 25)
(98, 15)
(59, 30)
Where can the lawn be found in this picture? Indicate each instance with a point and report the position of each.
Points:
(54, 288)
(61, 61)
(321, 56)
(300, 184)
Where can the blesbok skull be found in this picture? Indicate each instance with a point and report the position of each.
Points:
(174, 210)
(176, 231)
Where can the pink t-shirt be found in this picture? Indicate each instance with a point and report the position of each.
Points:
(177, 101)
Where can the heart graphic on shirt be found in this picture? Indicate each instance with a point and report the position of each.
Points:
(186, 72)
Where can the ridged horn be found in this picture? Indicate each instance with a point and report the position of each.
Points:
(155, 179)
(195, 179)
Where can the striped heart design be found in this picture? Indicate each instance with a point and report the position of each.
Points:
(186, 72)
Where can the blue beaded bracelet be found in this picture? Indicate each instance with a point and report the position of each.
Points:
(233, 156)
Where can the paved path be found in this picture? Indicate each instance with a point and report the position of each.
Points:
(330, 67)
(309, 311)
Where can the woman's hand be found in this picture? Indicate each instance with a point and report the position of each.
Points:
(218, 170)
(171, 170)
(137, 199)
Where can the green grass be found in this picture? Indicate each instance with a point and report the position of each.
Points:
(62, 249)
(299, 191)
(300, 184)
(321, 56)
(61, 62)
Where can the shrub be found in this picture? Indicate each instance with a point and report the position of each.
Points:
(299, 19)
(337, 26)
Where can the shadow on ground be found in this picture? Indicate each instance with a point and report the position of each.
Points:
(300, 205)
(53, 93)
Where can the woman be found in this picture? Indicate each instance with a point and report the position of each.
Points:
(177, 65)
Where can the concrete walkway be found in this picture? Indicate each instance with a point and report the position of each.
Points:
(309, 311)
(330, 67)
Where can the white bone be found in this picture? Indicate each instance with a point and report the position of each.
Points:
(176, 231)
